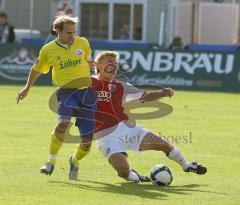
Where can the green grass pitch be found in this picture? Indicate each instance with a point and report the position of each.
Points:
(212, 118)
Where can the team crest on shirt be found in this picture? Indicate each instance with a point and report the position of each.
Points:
(111, 87)
(79, 52)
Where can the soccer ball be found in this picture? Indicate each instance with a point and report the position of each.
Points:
(161, 175)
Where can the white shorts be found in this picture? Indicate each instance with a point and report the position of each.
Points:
(121, 139)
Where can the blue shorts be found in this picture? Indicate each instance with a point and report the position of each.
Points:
(80, 104)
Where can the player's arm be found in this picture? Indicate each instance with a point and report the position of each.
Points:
(33, 76)
(40, 67)
(151, 96)
(131, 93)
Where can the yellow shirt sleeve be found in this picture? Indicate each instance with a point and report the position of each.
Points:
(41, 64)
(88, 51)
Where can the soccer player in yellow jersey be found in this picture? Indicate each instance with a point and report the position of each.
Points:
(69, 57)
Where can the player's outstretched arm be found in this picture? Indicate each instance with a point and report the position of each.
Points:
(33, 76)
(151, 96)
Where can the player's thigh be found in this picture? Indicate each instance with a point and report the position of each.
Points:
(112, 142)
(86, 111)
(133, 136)
(65, 102)
(77, 103)
(153, 142)
(119, 163)
(85, 127)
(109, 146)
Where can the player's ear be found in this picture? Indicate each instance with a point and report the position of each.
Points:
(97, 64)
(58, 30)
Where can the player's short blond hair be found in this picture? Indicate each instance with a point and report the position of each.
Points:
(61, 19)
(103, 54)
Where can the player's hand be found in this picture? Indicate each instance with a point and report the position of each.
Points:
(22, 94)
(92, 65)
(167, 92)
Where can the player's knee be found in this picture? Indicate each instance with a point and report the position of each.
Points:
(124, 172)
(167, 147)
(86, 144)
(62, 127)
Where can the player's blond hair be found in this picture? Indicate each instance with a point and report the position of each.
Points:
(103, 54)
(63, 18)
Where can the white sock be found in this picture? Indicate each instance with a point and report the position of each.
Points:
(133, 177)
(53, 156)
(177, 156)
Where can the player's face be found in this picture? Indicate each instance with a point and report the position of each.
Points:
(67, 34)
(107, 68)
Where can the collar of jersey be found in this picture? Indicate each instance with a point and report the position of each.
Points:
(62, 45)
(107, 81)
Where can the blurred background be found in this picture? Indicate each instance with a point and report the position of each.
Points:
(170, 42)
(143, 21)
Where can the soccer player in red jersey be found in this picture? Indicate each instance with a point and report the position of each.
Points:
(115, 133)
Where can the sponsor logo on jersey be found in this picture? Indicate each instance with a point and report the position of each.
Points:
(69, 63)
(104, 96)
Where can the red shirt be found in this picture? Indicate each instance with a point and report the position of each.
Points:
(110, 98)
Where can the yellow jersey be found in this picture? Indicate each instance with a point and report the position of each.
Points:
(70, 68)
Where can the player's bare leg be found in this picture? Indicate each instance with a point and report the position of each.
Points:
(120, 164)
(57, 138)
(154, 142)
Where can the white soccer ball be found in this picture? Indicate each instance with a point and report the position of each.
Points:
(161, 175)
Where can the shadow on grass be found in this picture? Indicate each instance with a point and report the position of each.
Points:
(144, 190)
